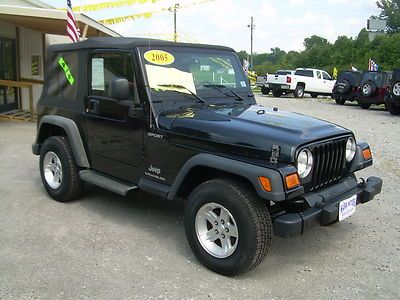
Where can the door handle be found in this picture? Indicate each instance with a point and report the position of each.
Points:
(94, 105)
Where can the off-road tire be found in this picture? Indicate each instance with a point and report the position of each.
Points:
(343, 87)
(71, 185)
(265, 90)
(393, 109)
(299, 92)
(252, 219)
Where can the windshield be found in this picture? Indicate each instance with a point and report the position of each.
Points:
(185, 74)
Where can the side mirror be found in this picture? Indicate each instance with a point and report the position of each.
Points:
(119, 88)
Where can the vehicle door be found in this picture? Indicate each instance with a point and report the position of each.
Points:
(114, 125)
(327, 83)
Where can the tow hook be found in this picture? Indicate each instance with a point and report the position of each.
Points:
(362, 184)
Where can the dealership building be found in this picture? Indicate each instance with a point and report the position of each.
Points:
(27, 27)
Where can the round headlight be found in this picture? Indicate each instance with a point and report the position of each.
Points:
(350, 149)
(304, 163)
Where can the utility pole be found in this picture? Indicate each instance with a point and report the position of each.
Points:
(251, 26)
(174, 10)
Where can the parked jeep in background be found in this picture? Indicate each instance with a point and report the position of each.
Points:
(180, 121)
(312, 81)
(346, 86)
(392, 98)
(373, 88)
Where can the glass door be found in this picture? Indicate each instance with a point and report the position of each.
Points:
(8, 63)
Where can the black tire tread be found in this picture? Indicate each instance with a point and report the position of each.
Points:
(75, 186)
(393, 109)
(259, 214)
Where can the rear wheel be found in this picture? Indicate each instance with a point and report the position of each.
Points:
(265, 90)
(299, 92)
(340, 101)
(58, 170)
(393, 109)
(227, 226)
(277, 93)
(364, 105)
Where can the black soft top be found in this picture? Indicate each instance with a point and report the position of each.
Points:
(127, 43)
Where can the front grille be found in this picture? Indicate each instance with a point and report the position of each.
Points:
(329, 163)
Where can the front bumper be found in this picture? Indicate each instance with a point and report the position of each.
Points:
(324, 206)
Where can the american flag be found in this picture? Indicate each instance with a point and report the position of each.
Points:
(372, 66)
(73, 31)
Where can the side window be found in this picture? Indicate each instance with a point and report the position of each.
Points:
(319, 75)
(106, 66)
(326, 76)
(63, 74)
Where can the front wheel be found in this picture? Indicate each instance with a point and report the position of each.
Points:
(393, 109)
(228, 227)
(58, 170)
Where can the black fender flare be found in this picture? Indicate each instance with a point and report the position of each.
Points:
(73, 135)
(243, 169)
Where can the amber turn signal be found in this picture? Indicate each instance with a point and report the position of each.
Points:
(367, 154)
(265, 183)
(292, 181)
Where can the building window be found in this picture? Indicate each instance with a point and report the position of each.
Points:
(36, 65)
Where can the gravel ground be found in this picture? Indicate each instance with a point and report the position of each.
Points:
(105, 246)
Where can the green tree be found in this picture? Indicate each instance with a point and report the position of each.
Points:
(391, 13)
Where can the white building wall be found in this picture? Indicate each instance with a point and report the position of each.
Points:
(30, 44)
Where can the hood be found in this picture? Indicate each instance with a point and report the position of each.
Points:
(249, 129)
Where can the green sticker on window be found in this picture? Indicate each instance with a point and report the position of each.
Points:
(67, 72)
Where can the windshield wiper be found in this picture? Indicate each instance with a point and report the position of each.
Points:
(182, 87)
(219, 87)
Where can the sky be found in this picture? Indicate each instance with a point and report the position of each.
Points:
(279, 23)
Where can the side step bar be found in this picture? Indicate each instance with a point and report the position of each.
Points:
(106, 182)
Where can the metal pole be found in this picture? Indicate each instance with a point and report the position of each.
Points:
(252, 26)
(174, 9)
(251, 42)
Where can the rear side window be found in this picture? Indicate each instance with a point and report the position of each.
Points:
(377, 78)
(306, 73)
(106, 66)
(63, 75)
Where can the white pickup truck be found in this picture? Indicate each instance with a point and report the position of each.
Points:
(312, 81)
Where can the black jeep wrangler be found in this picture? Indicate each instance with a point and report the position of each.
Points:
(392, 98)
(346, 86)
(180, 121)
(373, 88)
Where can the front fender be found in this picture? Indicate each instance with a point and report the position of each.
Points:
(249, 171)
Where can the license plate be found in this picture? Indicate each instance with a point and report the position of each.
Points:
(347, 207)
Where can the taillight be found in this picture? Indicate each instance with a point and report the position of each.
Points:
(288, 79)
